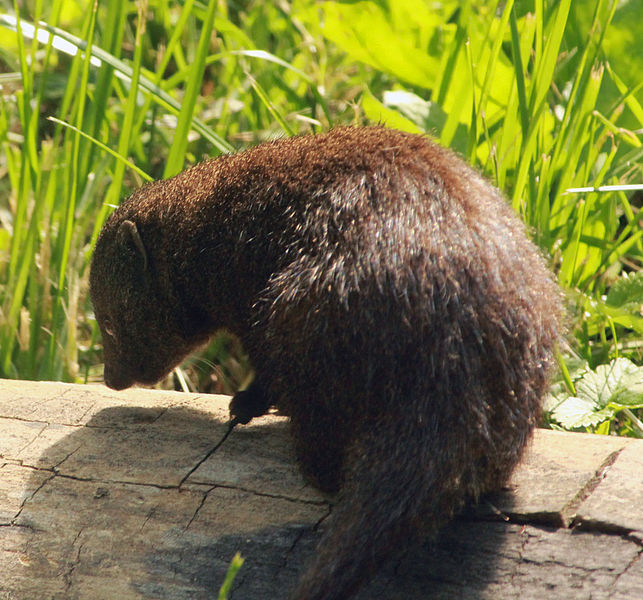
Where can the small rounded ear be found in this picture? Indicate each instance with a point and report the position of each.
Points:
(128, 234)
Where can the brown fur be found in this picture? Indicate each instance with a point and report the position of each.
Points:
(388, 298)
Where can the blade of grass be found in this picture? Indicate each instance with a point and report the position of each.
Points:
(176, 156)
(39, 300)
(113, 193)
(448, 67)
(124, 71)
(105, 148)
(628, 95)
(267, 56)
(169, 52)
(473, 128)
(24, 106)
(22, 239)
(546, 65)
(577, 95)
(64, 242)
(233, 569)
(494, 55)
(112, 30)
(628, 137)
(520, 73)
(261, 93)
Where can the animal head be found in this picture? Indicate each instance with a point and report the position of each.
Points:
(143, 337)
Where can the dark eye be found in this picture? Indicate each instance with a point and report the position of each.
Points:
(109, 330)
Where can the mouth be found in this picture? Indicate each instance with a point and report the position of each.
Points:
(117, 381)
(118, 378)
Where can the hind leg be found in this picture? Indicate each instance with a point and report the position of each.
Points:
(320, 445)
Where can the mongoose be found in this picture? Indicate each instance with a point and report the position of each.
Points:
(390, 303)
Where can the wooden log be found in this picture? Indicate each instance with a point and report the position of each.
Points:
(116, 495)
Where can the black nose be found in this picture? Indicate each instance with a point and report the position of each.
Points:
(116, 381)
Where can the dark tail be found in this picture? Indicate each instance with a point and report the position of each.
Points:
(403, 476)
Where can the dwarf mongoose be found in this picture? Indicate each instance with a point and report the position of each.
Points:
(391, 305)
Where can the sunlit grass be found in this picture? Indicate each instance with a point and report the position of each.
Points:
(96, 100)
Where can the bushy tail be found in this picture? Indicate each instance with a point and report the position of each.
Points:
(401, 471)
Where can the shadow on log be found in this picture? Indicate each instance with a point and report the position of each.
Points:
(110, 518)
(109, 495)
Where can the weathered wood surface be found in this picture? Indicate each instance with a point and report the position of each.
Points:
(103, 495)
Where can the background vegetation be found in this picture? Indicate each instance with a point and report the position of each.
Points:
(543, 96)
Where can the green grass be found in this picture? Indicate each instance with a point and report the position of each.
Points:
(235, 565)
(542, 96)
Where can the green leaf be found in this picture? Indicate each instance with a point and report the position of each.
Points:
(370, 34)
(576, 412)
(378, 112)
(624, 302)
(427, 115)
(618, 383)
(627, 292)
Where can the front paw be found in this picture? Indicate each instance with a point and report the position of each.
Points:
(247, 404)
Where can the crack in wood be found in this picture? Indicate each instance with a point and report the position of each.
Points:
(30, 497)
(231, 425)
(638, 557)
(198, 508)
(180, 487)
(515, 571)
(31, 441)
(568, 512)
(274, 496)
(68, 575)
